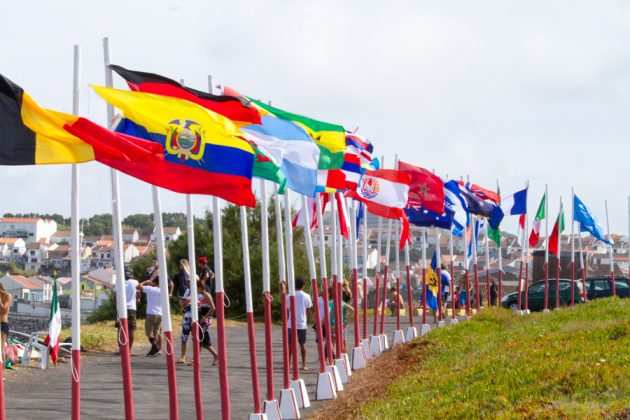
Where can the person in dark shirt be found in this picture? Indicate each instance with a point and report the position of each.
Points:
(494, 293)
(205, 273)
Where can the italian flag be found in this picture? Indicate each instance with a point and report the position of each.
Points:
(558, 228)
(540, 216)
(54, 324)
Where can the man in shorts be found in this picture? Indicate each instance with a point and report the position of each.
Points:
(303, 304)
(153, 321)
(131, 297)
(5, 304)
(205, 309)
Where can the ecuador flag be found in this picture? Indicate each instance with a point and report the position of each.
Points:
(330, 138)
(192, 137)
(31, 135)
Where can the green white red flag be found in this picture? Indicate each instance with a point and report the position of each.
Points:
(54, 324)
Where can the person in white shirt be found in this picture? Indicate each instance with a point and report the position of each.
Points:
(153, 320)
(303, 303)
(131, 298)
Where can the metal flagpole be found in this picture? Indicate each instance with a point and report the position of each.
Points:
(323, 271)
(399, 337)
(582, 265)
(519, 300)
(424, 328)
(475, 266)
(488, 265)
(467, 271)
(343, 363)
(558, 260)
(375, 341)
(76, 266)
(546, 267)
(270, 404)
(500, 273)
(165, 303)
(452, 273)
(628, 281)
(196, 328)
(411, 332)
(333, 268)
(121, 304)
(325, 390)
(358, 357)
(438, 257)
(249, 309)
(364, 243)
(384, 343)
(288, 403)
(610, 252)
(572, 248)
(526, 265)
(296, 383)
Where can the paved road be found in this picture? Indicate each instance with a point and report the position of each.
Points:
(35, 394)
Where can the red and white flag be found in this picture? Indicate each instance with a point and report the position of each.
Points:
(385, 192)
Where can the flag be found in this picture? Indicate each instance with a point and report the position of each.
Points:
(357, 159)
(520, 235)
(587, 220)
(426, 189)
(420, 216)
(30, 135)
(330, 180)
(329, 137)
(558, 228)
(482, 193)
(290, 146)
(540, 216)
(453, 218)
(311, 210)
(236, 108)
(360, 216)
(495, 233)
(54, 324)
(454, 201)
(515, 204)
(480, 206)
(385, 193)
(432, 283)
(203, 147)
(342, 212)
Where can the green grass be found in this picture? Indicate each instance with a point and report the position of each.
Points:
(570, 363)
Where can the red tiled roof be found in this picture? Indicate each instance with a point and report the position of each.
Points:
(25, 282)
(18, 220)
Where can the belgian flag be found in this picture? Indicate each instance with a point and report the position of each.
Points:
(31, 135)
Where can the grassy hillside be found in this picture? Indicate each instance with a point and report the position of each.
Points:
(569, 363)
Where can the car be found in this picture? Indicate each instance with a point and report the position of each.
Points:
(599, 287)
(536, 295)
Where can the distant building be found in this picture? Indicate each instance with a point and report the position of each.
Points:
(130, 235)
(22, 288)
(170, 234)
(29, 229)
(11, 249)
(61, 236)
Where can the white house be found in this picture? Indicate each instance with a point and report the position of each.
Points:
(130, 235)
(22, 288)
(60, 236)
(103, 255)
(11, 249)
(29, 229)
(170, 234)
(37, 254)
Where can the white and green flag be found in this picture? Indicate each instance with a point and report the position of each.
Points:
(54, 324)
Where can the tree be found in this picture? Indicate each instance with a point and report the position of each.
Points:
(174, 220)
(97, 225)
(142, 222)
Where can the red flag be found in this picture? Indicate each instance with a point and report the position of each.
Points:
(426, 189)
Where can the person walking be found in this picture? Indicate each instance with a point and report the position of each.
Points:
(303, 304)
(344, 321)
(494, 292)
(205, 273)
(445, 279)
(153, 320)
(205, 309)
(131, 297)
(182, 278)
(5, 305)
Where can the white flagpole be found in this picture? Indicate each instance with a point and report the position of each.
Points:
(487, 263)
(475, 266)
(364, 341)
(558, 257)
(375, 342)
(121, 304)
(438, 257)
(385, 344)
(399, 337)
(466, 271)
(546, 296)
(572, 247)
(76, 263)
(452, 273)
(297, 384)
(425, 327)
(270, 404)
(324, 279)
(526, 278)
(165, 303)
(358, 357)
(610, 252)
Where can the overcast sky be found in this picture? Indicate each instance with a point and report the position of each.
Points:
(514, 91)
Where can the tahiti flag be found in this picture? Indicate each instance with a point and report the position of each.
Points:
(426, 190)
(432, 283)
(587, 220)
(330, 138)
(194, 139)
(290, 146)
(385, 193)
(54, 324)
(236, 108)
(558, 228)
(540, 216)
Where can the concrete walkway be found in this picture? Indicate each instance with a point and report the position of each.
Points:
(35, 394)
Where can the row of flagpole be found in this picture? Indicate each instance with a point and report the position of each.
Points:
(293, 395)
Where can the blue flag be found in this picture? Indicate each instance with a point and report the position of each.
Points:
(432, 283)
(587, 220)
(360, 215)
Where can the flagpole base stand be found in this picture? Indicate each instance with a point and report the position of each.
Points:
(398, 339)
(301, 396)
(384, 342)
(340, 364)
(441, 324)
(272, 409)
(526, 312)
(411, 333)
(425, 328)
(325, 387)
(545, 311)
(452, 321)
(346, 361)
(261, 416)
(288, 404)
(334, 372)
(375, 345)
(358, 358)
(365, 343)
